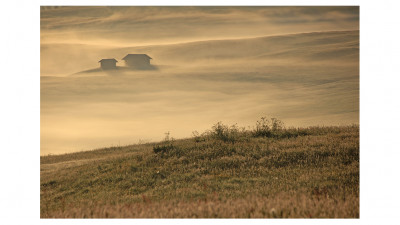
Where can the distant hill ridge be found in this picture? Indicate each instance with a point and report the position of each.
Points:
(330, 45)
(316, 45)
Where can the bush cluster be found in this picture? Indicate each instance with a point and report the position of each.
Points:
(264, 128)
(164, 146)
(267, 127)
(225, 133)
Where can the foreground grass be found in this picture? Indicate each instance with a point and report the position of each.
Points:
(225, 173)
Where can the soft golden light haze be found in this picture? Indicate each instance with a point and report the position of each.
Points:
(229, 64)
(133, 26)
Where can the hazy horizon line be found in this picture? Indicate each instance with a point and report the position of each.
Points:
(198, 41)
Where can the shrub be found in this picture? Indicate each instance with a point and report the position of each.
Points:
(165, 146)
(267, 127)
(224, 133)
(199, 137)
(162, 148)
(276, 124)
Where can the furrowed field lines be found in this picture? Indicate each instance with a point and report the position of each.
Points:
(227, 172)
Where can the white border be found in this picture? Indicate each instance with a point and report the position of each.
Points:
(20, 112)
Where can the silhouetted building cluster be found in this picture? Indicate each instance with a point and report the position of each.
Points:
(133, 61)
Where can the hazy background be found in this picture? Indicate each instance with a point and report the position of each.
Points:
(229, 64)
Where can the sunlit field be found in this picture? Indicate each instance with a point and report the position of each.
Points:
(226, 172)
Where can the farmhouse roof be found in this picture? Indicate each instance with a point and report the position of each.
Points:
(108, 60)
(132, 56)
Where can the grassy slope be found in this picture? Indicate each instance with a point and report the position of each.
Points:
(313, 172)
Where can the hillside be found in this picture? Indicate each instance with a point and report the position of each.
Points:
(58, 58)
(226, 172)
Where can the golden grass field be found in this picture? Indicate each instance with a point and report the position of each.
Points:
(226, 172)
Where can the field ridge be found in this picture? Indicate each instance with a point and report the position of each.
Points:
(226, 172)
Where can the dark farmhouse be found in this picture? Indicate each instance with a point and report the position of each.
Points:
(108, 64)
(137, 61)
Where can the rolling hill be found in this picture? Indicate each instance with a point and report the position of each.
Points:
(227, 172)
(320, 46)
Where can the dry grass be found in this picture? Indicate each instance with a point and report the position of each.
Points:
(289, 173)
(279, 206)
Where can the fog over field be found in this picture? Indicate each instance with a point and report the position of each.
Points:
(229, 64)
